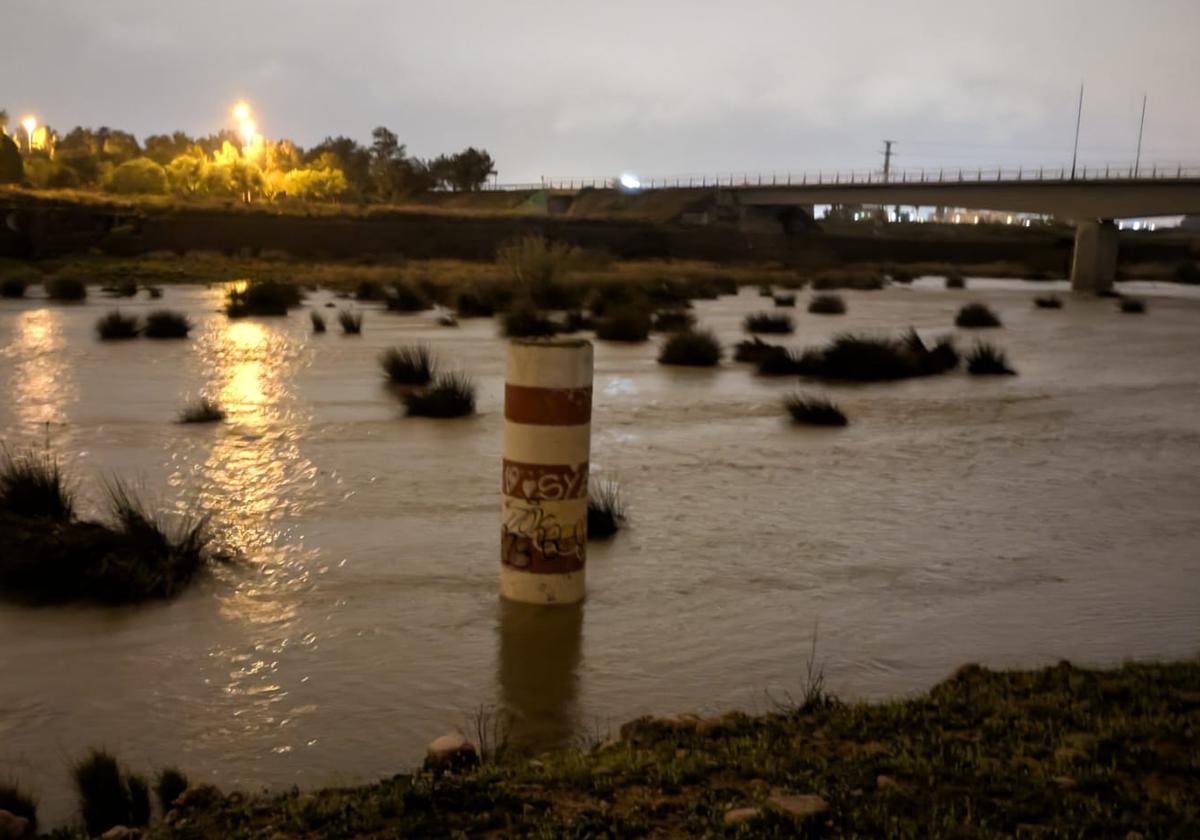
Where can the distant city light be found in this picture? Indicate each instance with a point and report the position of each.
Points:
(247, 128)
(629, 181)
(29, 123)
(241, 112)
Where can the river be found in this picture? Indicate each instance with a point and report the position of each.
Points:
(1007, 521)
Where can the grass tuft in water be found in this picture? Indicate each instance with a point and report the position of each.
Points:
(827, 305)
(19, 803)
(405, 297)
(261, 298)
(864, 358)
(117, 327)
(605, 509)
(351, 322)
(33, 486)
(783, 300)
(525, 321)
(976, 316)
(1048, 302)
(692, 348)
(768, 322)
(987, 359)
(413, 365)
(165, 323)
(109, 797)
(673, 320)
(449, 395)
(65, 289)
(318, 321)
(1132, 305)
(202, 411)
(754, 350)
(13, 287)
(956, 281)
(813, 410)
(628, 324)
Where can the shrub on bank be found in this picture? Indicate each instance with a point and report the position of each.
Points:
(768, 322)
(169, 787)
(1132, 305)
(673, 320)
(261, 298)
(165, 323)
(450, 395)
(693, 348)
(813, 411)
(976, 316)
(474, 303)
(605, 509)
(13, 287)
(114, 326)
(987, 359)
(318, 321)
(827, 305)
(20, 804)
(65, 289)
(1048, 302)
(525, 321)
(108, 795)
(412, 365)
(202, 411)
(627, 324)
(351, 322)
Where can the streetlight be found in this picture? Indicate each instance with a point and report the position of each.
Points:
(29, 123)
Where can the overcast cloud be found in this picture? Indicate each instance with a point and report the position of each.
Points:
(555, 87)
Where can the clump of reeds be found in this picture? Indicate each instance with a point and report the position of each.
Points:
(446, 318)
(34, 486)
(20, 804)
(861, 358)
(673, 320)
(813, 410)
(13, 287)
(474, 303)
(1048, 302)
(1132, 305)
(108, 795)
(262, 298)
(165, 323)
(956, 281)
(170, 786)
(124, 289)
(369, 290)
(405, 297)
(605, 509)
(849, 278)
(65, 289)
(693, 348)
(153, 292)
(987, 359)
(114, 326)
(318, 321)
(628, 324)
(754, 350)
(785, 300)
(412, 365)
(766, 291)
(525, 321)
(449, 395)
(768, 322)
(976, 316)
(827, 305)
(202, 411)
(351, 322)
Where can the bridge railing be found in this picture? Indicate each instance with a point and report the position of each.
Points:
(905, 176)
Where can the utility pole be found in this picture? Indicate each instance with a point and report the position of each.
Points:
(887, 159)
(1078, 119)
(1137, 161)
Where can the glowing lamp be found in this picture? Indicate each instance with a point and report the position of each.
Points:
(629, 182)
(241, 112)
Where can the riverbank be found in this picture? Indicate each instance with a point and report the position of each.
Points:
(1058, 751)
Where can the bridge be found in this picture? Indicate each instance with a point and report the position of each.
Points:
(1091, 196)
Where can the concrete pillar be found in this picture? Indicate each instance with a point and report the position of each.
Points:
(1094, 262)
(544, 482)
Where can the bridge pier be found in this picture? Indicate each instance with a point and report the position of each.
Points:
(1094, 262)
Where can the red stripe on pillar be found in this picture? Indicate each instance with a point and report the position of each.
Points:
(547, 406)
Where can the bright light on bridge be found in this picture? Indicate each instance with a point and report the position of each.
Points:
(629, 182)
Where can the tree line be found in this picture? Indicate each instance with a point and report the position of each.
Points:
(220, 165)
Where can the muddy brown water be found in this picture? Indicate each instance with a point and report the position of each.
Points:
(1008, 521)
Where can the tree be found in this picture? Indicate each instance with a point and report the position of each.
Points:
(12, 171)
(387, 164)
(44, 173)
(140, 175)
(186, 172)
(117, 146)
(352, 159)
(162, 148)
(3, 121)
(469, 169)
(316, 182)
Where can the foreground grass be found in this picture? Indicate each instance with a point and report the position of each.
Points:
(1055, 752)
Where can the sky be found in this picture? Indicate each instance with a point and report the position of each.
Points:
(592, 88)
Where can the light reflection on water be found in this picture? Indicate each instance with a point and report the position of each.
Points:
(43, 385)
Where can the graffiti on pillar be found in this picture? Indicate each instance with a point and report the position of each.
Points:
(534, 539)
(544, 482)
